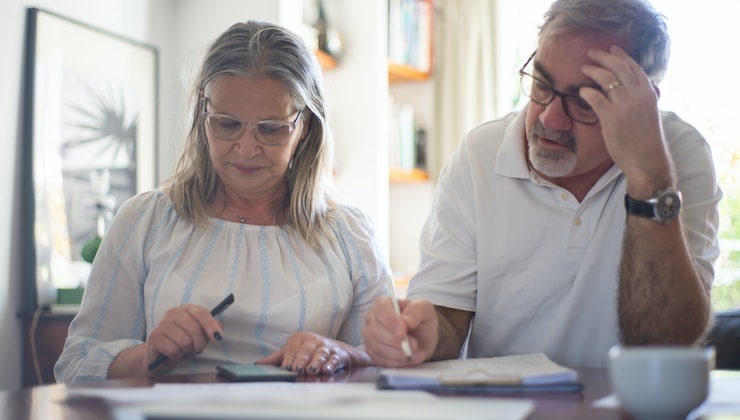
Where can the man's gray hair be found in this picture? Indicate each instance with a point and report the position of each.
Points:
(642, 28)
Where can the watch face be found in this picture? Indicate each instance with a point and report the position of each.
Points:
(668, 205)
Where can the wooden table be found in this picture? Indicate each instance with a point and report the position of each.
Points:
(45, 402)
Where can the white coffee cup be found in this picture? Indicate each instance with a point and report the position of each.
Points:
(660, 382)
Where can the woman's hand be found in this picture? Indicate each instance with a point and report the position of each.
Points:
(184, 331)
(313, 354)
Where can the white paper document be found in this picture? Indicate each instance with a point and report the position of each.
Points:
(515, 371)
(295, 400)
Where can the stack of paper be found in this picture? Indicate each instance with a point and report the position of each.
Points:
(518, 373)
(293, 400)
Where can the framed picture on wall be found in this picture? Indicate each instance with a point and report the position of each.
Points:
(89, 143)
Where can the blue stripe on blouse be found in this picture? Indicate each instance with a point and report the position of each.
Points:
(334, 306)
(152, 234)
(265, 304)
(139, 328)
(160, 281)
(232, 284)
(299, 279)
(187, 295)
(355, 321)
(114, 276)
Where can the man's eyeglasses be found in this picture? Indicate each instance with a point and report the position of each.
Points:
(268, 132)
(543, 93)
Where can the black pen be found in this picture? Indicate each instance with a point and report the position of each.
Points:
(215, 312)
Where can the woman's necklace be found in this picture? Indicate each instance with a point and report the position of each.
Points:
(244, 220)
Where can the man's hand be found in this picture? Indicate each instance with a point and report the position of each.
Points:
(384, 331)
(627, 107)
(422, 323)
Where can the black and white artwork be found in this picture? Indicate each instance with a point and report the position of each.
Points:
(91, 99)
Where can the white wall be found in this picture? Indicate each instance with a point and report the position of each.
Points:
(357, 95)
(125, 17)
(180, 29)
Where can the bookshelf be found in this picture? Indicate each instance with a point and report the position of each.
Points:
(410, 52)
(411, 123)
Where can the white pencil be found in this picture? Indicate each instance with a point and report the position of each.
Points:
(405, 342)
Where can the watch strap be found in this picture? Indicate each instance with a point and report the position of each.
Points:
(664, 207)
(639, 208)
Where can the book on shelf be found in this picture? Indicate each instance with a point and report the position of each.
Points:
(410, 33)
(505, 374)
(402, 150)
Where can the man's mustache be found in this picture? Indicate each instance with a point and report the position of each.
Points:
(562, 137)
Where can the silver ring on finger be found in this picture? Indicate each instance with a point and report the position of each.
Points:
(611, 86)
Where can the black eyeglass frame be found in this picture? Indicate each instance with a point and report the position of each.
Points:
(562, 95)
(247, 125)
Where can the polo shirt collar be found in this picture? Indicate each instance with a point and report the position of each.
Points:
(510, 159)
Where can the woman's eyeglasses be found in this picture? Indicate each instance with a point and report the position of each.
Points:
(268, 132)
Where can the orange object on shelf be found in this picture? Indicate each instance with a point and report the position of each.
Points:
(402, 73)
(405, 175)
(327, 62)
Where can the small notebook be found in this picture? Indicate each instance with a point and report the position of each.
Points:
(518, 373)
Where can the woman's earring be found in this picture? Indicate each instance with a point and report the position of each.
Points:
(295, 153)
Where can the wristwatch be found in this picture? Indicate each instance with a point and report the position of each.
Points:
(663, 208)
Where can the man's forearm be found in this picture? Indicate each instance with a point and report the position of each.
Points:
(453, 329)
(662, 299)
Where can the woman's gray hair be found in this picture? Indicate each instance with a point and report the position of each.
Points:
(252, 49)
(635, 21)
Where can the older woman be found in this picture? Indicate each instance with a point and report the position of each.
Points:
(247, 211)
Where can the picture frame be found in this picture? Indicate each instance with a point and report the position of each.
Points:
(90, 128)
